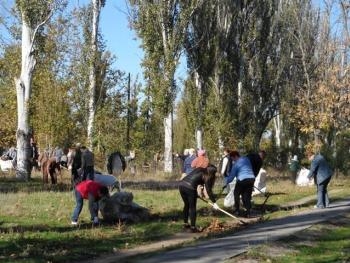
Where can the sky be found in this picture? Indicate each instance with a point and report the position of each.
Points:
(121, 40)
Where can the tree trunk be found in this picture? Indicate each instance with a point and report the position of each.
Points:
(199, 129)
(23, 90)
(92, 75)
(168, 143)
(277, 124)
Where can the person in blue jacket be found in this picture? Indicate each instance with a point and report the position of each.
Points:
(322, 173)
(242, 170)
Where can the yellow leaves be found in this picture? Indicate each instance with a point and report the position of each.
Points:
(322, 106)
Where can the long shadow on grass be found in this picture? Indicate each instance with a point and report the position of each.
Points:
(77, 247)
(42, 228)
(151, 185)
(13, 185)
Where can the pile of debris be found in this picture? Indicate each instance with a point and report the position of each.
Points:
(120, 207)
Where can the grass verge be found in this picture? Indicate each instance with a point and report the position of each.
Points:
(35, 218)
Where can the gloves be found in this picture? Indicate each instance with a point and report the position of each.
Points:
(215, 206)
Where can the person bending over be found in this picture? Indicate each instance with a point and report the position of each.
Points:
(91, 191)
(188, 191)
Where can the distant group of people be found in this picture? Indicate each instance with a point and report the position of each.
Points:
(198, 172)
(11, 154)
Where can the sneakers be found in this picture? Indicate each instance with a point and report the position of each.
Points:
(186, 226)
(191, 229)
(74, 223)
(318, 207)
(195, 230)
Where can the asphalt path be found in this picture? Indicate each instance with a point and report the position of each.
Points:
(220, 249)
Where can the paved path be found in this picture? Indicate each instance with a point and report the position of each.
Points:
(219, 249)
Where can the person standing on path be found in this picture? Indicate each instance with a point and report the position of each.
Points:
(322, 174)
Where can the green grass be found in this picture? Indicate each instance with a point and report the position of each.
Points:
(35, 219)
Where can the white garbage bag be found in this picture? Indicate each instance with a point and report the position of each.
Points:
(229, 200)
(302, 179)
(5, 166)
(260, 182)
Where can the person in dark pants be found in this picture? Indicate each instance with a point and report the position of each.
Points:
(294, 168)
(245, 169)
(87, 163)
(76, 164)
(188, 190)
(322, 173)
(91, 191)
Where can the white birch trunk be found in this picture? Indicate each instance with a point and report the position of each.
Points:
(92, 71)
(23, 90)
(199, 138)
(199, 129)
(168, 143)
(277, 124)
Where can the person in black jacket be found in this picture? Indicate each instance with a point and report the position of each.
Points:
(76, 164)
(256, 159)
(188, 190)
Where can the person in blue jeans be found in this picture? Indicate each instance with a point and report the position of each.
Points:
(322, 174)
(91, 191)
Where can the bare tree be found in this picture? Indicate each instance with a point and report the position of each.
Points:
(34, 16)
(96, 10)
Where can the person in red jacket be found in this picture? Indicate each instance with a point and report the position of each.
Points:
(91, 191)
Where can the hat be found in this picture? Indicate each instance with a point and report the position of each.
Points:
(201, 152)
(295, 158)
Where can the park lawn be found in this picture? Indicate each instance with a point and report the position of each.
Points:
(35, 219)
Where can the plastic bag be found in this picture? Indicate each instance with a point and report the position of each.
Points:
(229, 200)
